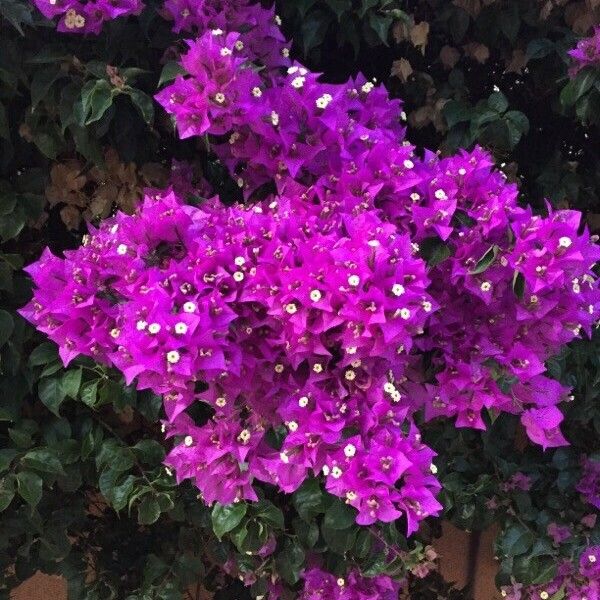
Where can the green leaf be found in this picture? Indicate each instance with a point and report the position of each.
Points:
(42, 82)
(43, 354)
(516, 540)
(7, 455)
(498, 102)
(339, 516)
(266, 511)
(51, 394)
(578, 86)
(381, 26)
(148, 511)
(456, 112)
(96, 99)
(539, 48)
(170, 72)
(16, 13)
(150, 452)
(518, 284)
(71, 382)
(143, 103)
(89, 393)
(30, 487)
(7, 491)
(290, 562)
(486, 260)
(226, 517)
(43, 460)
(7, 326)
(309, 500)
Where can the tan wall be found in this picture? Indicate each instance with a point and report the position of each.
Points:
(453, 548)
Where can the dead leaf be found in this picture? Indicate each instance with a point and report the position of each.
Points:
(400, 31)
(449, 57)
(421, 117)
(517, 62)
(477, 51)
(419, 35)
(401, 69)
(70, 216)
(66, 184)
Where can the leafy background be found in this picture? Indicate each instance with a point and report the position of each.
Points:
(82, 489)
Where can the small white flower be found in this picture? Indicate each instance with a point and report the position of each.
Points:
(336, 472)
(462, 171)
(351, 496)
(374, 243)
(315, 295)
(114, 333)
(141, 325)
(298, 82)
(398, 289)
(353, 280)
(189, 307)
(217, 32)
(389, 387)
(238, 276)
(225, 51)
(592, 558)
(114, 229)
(221, 402)
(318, 368)
(576, 288)
(409, 164)
(415, 197)
(591, 309)
(285, 52)
(350, 375)
(181, 328)
(405, 313)
(291, 308)
(292, 70)
(565, 242)
(244, 436)
(341, 582)
(486, 286)
(239, 260)
(433, 469)
(256, 92)
(284, 457)
(173, 357)
(275, 118)
(544, 595)
(292, 426)
(122, 249)
(219, 97)
(403, 116)
(188, 441)
(163, 428)
(351, 350)
(427, 306)
(356, 363)
(239, 45)
(350, 450)
(154, 328)
(278, 20)
(440, 194)
(279, 368)
(367, 87)
(303, 402)
(324, 101)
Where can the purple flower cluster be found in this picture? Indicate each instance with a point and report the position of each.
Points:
(589, 484)
(312, 314)
(586, 53)
(516, 286)
(319, 584)
(572, 582)
(79, 16)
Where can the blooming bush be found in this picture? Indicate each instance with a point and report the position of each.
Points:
(318, 312)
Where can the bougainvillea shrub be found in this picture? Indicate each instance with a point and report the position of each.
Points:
(298, 330)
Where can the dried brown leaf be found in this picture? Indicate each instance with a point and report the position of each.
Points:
(449, 56)
(476, 51)
(401, 69)
(419, 35)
